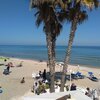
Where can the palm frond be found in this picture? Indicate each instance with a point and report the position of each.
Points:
(39, 2)
(91, 3)
(38, 21)
(62, 16)
(58, 28)
(96, 3)
(82, 17)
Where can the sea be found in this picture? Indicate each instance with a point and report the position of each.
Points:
(80, 55)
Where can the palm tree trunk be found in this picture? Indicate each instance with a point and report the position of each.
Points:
(51, 59)
(68, 52)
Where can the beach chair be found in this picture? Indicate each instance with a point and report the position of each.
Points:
(79, 75)
(92, 77)
(90, 73)
(74, 76)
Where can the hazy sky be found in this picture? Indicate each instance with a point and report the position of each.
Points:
(17, 26)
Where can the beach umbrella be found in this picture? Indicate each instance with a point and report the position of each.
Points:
(60, 63)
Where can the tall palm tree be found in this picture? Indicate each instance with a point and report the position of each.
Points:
(46, 14)
(76, 14)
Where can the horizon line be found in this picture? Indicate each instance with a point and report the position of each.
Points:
(44, 45)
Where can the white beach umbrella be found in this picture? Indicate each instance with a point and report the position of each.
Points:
(60, 64)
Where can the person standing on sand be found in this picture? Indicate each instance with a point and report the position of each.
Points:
(8, 67)
(40, 74)
(44, 75)
(35, 87)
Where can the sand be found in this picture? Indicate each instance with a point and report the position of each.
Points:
(12, 87)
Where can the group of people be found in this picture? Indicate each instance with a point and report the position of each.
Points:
(39, 87)
(9, 65)
(39, 83)
(7, 70)
(43, 75)
(91, 93)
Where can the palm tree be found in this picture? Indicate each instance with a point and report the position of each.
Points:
(46, 14)
(76, 14)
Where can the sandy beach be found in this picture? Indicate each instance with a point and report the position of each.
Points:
(12, 87)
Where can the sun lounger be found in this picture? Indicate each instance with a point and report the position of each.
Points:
(92, 77)
(79, 75)
(74, 76)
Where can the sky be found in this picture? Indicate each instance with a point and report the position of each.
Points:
(17, 27)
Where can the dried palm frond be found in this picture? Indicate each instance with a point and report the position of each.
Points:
(90, 3)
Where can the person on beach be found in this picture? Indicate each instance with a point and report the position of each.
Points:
(44, 75)
(8, 67)
(88, 92)
(40, 74)
(41, 87)
(35, 87)
(23, 80)
(73, 87)
(11, 64)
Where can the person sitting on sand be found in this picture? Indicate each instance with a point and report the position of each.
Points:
(41, 87)
(23, 80)
(73, 87)
(21, 64)
(11, 64)
(40, 74)
(88, 92)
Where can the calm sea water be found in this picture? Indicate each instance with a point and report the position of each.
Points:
(83, 55)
